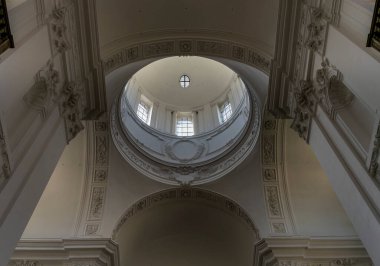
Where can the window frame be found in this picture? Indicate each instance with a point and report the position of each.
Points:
(183, 129)
(225, 111)
(144, 108)
(186, 82)
(7, 42)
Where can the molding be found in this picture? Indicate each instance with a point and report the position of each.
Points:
(319, 251)
(179, 173)
(90, 216)
(374, 170)
(263, 255)
(302, 32)
(188, 46)
(194, 194)
(5, 166)
(279, 213)
(71, 252)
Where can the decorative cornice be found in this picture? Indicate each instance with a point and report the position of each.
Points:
(194, 194)
(188, 46)
(71, 252)
(318, 251)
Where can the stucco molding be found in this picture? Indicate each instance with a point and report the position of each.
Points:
(180, 173)
(5, 166)
(70, 252)
(297, 48)
(374, 170)
(194, 194)
(90, 215)
(187, 46)
(279, 213)
(305, 104)
(324, 251)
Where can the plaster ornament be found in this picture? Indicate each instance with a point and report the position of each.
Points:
(375, 157)
(5, 170)
(305, 105)
(316, 30)
(273, 201)
(332, 93)
(58, 30)
(70, 110)
(44, 91)
(194, 194)
(193, 46)
(97, 202)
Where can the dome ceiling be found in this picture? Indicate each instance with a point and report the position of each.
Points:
(208, 80)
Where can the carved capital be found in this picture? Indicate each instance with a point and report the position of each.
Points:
(305, 105)
(332, 93)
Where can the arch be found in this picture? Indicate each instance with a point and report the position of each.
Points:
(194, 194)
(187, 47)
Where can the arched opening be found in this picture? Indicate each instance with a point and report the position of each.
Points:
(186, 227)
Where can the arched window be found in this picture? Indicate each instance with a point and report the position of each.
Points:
(184, 125)
(225, 111)
(143, 111)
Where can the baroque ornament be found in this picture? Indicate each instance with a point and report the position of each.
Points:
(316, 30)
(70, 110)
(5, 170)
(58, 30)
(188, 46)
(374, 163)
(44, 91)
(305, 106)
(331, 91)
(180, 161)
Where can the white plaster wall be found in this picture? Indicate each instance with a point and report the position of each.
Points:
(185, 233)
(56, 213)
(360, 70)
(316, 209)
